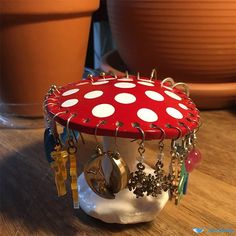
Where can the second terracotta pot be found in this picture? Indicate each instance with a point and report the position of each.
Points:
(42, 43)
(205, 95)
(192, 41)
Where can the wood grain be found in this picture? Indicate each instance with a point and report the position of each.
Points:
(29, 205)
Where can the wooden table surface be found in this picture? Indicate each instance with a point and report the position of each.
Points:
(29, 205)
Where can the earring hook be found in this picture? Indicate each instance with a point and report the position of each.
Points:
(184, 85)
(153, 74)
(118, 125)
(137, 126)
(186, 126)
(90, 77)
(178, 129)
(57, 114)
(143, 135)
(68, 128)
(73, 132)
(173, 142)
(54, 99)
(103, 75)
(52, 90)
(163, 133)
(102, 122)
(199, 123)
(141, 148)
(47, 104)
(54, 127)
(112, 74)
(162, 137)
(54, 87)
(168, 79)
(127, 74)
(138, 76)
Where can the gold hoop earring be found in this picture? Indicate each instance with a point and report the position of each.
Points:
(120, 171)
(93, 171)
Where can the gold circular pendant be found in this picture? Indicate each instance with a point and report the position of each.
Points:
(120, 173)
(95, 178)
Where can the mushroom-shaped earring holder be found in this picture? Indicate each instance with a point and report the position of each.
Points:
(125, 100)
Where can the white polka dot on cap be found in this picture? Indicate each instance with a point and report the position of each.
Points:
(103, 110)
(111, 78)
(174, 113)
(70, 103)
(167, 87)
(147, 115)
(125, 79)
(124, 85)
(183, 106)
(172, 95)
(93, 94)
(146, 83)
(147, 80)
(154, 95)
(100, 82)
(69, 92)
(82, 83)
(125, 98)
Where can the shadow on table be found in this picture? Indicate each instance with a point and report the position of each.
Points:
(28, 199)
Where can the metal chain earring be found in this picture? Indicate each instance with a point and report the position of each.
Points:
(174, 165)
(160, 178)
(181, 175)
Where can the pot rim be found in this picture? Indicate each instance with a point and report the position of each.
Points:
(36, 7)
(211, 90)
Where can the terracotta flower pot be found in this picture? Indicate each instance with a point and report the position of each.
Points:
(191, 41)
(42, 43)
(205, 95)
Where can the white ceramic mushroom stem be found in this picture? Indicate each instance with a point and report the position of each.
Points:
(125, 208)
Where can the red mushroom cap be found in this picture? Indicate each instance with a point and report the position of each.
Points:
(125, 100)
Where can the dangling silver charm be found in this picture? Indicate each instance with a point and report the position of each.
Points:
(139, 180)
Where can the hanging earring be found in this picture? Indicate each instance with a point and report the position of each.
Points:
(138, 180)
(72, 150)
(120, 171)
(174, 165)
(187, 148)
(179, 172)
(51, 137)
(58, 158)
(160, 181)
(194, 155)
(93, 171)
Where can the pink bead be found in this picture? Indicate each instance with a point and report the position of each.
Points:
(193, 158)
